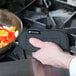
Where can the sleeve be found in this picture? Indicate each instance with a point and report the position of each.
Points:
(72, 67)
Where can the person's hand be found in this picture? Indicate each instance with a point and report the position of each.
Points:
(50, 54)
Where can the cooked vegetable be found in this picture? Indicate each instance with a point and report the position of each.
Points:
(12, 29)
(7, 36)
(0, 24)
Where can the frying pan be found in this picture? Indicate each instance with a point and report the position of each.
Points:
(10, 19)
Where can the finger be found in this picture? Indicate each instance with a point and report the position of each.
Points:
(39, 56)
(36, 42)
(36, 55)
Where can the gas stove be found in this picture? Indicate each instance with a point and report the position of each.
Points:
(36, 14)
(48, 14)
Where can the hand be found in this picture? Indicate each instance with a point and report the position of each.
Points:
(50, 54)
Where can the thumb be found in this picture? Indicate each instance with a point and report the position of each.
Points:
(36, 42)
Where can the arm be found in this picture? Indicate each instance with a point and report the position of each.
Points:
(51, 54)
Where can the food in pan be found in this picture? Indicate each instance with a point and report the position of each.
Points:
(7, 35)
